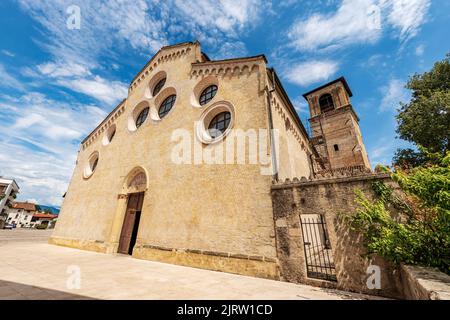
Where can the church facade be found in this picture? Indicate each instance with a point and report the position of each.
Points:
(153, 179)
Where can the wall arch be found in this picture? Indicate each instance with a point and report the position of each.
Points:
(135, 181)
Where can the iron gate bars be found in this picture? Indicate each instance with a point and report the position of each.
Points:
(319, 257)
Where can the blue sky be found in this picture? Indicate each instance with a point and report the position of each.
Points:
(57, 83)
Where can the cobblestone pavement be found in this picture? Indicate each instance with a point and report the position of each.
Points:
(32, 269)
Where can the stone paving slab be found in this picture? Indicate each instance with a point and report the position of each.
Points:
(34, 269)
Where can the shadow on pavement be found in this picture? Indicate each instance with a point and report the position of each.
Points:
(17, 291)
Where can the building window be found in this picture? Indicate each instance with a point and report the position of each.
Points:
(166, 106)
(94, 164)
(208, 94)
(219, 124)
(91, 165)
(336, 147)
(111, 136)
(157, 88)
(142, 116)
(326, 103)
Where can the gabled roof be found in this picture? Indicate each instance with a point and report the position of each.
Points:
(156, 54)
(24, 205)
(341, 79)
(45, 216)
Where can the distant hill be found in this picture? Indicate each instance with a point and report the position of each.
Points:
(53, 210)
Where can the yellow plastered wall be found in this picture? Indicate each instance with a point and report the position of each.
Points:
(223, 208)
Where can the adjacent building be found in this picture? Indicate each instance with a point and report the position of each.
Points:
(8, 192)
(30, 215)
(20, 214)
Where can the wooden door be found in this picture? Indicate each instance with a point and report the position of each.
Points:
(131, 223)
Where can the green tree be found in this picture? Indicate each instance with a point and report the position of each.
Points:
(421, 235)
(408, 158)
(425, 120)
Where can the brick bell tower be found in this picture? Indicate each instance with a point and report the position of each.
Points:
(335, 131)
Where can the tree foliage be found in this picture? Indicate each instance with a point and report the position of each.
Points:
(425, 120)
(408, 158)
(414, 229)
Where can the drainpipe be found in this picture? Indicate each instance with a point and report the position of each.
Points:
(311, 165)
(272, 140)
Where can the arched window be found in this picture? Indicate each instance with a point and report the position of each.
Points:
(112, 134)
(166, 106)
(141, 117)
(326, 102)
(94, 164)
(208, 94)
(159, 86)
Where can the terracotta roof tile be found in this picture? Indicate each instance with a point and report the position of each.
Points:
(24, 205)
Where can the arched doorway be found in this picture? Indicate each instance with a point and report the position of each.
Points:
(134, 186)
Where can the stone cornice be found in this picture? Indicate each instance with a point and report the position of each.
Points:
(363, 176)
(163, 55)
(104, 125)
(336, 111)
(227, 67)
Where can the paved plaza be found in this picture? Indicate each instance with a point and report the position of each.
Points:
(32, 269)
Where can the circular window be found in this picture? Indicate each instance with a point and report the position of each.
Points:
(208, 94)
(157, 88)
(166, 105)
(219, 124)
(215, 122)
(91, 165)
(142, 117)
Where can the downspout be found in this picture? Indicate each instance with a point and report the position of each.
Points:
(272, 140)
(311, 166)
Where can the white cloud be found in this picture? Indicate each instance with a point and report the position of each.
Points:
(9, 81)
(223, 15)
(393, 94)
(310, 72)
(351, 23)
(110, 92)
(407, 16)
(61, 69)
(116, 23)
(420, 50)
(144, 26)
(359, 21)
(39, 142)
(8, 53)
(301, 106)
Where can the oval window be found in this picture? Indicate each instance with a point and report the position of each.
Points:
(166, 106)
(142, 117)
(157, 88)
(208, 94)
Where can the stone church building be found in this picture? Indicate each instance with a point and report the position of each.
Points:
(127, 195)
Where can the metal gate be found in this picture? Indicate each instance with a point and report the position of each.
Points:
(319, 257)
